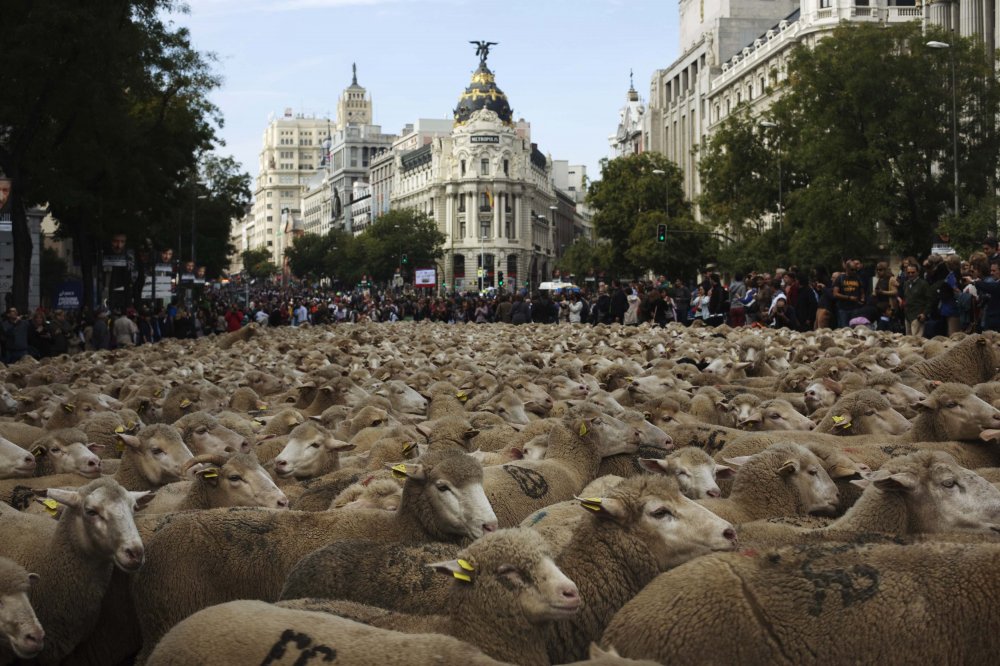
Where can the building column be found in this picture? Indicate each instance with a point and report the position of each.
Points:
(497, 215)
(989, 25)
(965, 17)
(515, 227)
(977, 18)
(940, 14)
(471, 215)
(449, 217)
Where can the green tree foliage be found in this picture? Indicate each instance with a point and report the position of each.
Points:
(629, 201)
(258, 264)
(344, 258)
(104, 116)
(864, 135)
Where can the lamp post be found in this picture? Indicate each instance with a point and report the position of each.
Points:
(482, 262)
(552, 236)
(777, 146)
(666, 190)
(954, 114)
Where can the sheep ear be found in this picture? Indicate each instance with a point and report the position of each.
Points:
(130, 440)
(33, 578)
(841, 471)
(654, 465)
(898, 482)
(423, 429)
(860, 483)
(407, 471)
(789, 467)
(927, 404)
(607, 507)
(723, 472)
(596, 652)
(517, 453)
(95, 447)
(470, 434)
(143, 498)
(722, 406)
(462, 570)
(69, 498)
(738, 460)
(841, 423)
(332, 444)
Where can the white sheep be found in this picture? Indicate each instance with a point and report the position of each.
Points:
(18, 623)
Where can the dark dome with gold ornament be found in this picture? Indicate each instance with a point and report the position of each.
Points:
(482, 93)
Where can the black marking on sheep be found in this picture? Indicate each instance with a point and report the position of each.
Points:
(302, 641)
(21, 497)
(897, 449)
(531, 482)
(716, 442)
(857, 584)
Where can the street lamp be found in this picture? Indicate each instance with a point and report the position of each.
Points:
(954, 113)
(482, 262)
(666, 198)
(194, 224)
(777, 146)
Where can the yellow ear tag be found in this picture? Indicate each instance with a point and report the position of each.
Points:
(465, 564)
(157, 393)
(210, 474)
(51, 506)
(630, 379)
(119, 429)
(838, 419)
(408, 447)
(261, 405)
(119, 446)
(185, 403)
(399, 471)
(68, 407)
(130, 425)
(583, 429)
(592, 503)
(462, 395)
(461, 576)
(38, 451)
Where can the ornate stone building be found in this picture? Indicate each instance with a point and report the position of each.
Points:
(627, 139)
(488, 187)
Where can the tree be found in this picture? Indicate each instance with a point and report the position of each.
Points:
(629, 201)
(398, 232)
(258, 264)
(104, 112)
(863, 126)
(315, 256)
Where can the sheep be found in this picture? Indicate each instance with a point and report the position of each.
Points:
(281, 423)
(104, 427)
(508, 405)
(21, 434)
(785, 479)
(924, 492)
(403, 398)
(443, 500)
(372, 493)
(695, 471)
(241, 335)
(505, 592)
(305, 635)
(902, 397)
(191, 397)
(576, 446)
(203, 433)
(77, 407)
(66, 451)
(393, 576)
(18, 623)
(642, 527)
(310, 451)
(75, 556)
(864, 412)
(154, 457)
(236, 480)
(817, 604)
(15, 462)
(971, 361)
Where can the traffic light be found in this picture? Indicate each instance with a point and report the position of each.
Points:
(403, 259)
(661, 233)
(500, 278)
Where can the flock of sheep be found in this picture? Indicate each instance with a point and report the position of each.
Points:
(418, 494)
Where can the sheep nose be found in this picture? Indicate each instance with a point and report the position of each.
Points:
(283, 502)
(569, 592)
(490, 526)
(281, 464)
(35, 638)
(135, 554)
(93, 463)
(29, 460)
(730, 534)
(714, 492)
(812, 426)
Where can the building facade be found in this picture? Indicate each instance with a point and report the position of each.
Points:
(737, 52)
(628, 138)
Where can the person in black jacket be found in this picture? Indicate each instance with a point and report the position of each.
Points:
(519, 312)
(717, 306)
(619, 303)
(601, 309)
(543, 310)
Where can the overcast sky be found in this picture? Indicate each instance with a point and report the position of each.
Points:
(564, 64)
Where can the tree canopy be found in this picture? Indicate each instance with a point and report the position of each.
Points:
(863, 132)
(636, 194)
(105, 119)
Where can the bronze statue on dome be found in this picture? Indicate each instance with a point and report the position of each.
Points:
(483, 50)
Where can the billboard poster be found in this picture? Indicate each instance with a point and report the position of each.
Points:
(424, 277)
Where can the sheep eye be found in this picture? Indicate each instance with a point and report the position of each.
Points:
(91, 512)
(235, 477)
(813, 472)
(314, 445)
(870, 412)
(443, 487)
(948, 483)
(682, 472)
(662, 512)
(951, 405)
(156, 451)
(775, 416)
(201, 430)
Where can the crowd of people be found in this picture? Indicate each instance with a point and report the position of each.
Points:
(940, 295)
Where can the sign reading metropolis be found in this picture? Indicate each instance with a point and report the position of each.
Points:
(485, 138)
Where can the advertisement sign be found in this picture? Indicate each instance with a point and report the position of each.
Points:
(69, 295)
(424, 277)
(481, 138)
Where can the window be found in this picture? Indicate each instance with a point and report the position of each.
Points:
(506, 167)
(458, 265)
(269, 193)
(461, 203)
(484, 202)
(269, 205)
(484, 167)
(354, 156)
(270, 243)
(463, 170)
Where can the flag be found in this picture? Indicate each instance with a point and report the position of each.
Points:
(489, 196)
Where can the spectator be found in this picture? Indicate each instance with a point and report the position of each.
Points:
(718, 304)
(681, 296)
(100, 336)
(619, 303)
(124, 330)
(849, 292)
(919, 299)
(39, 336)
(737, 308)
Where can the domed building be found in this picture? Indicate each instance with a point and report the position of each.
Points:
(488, 187)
